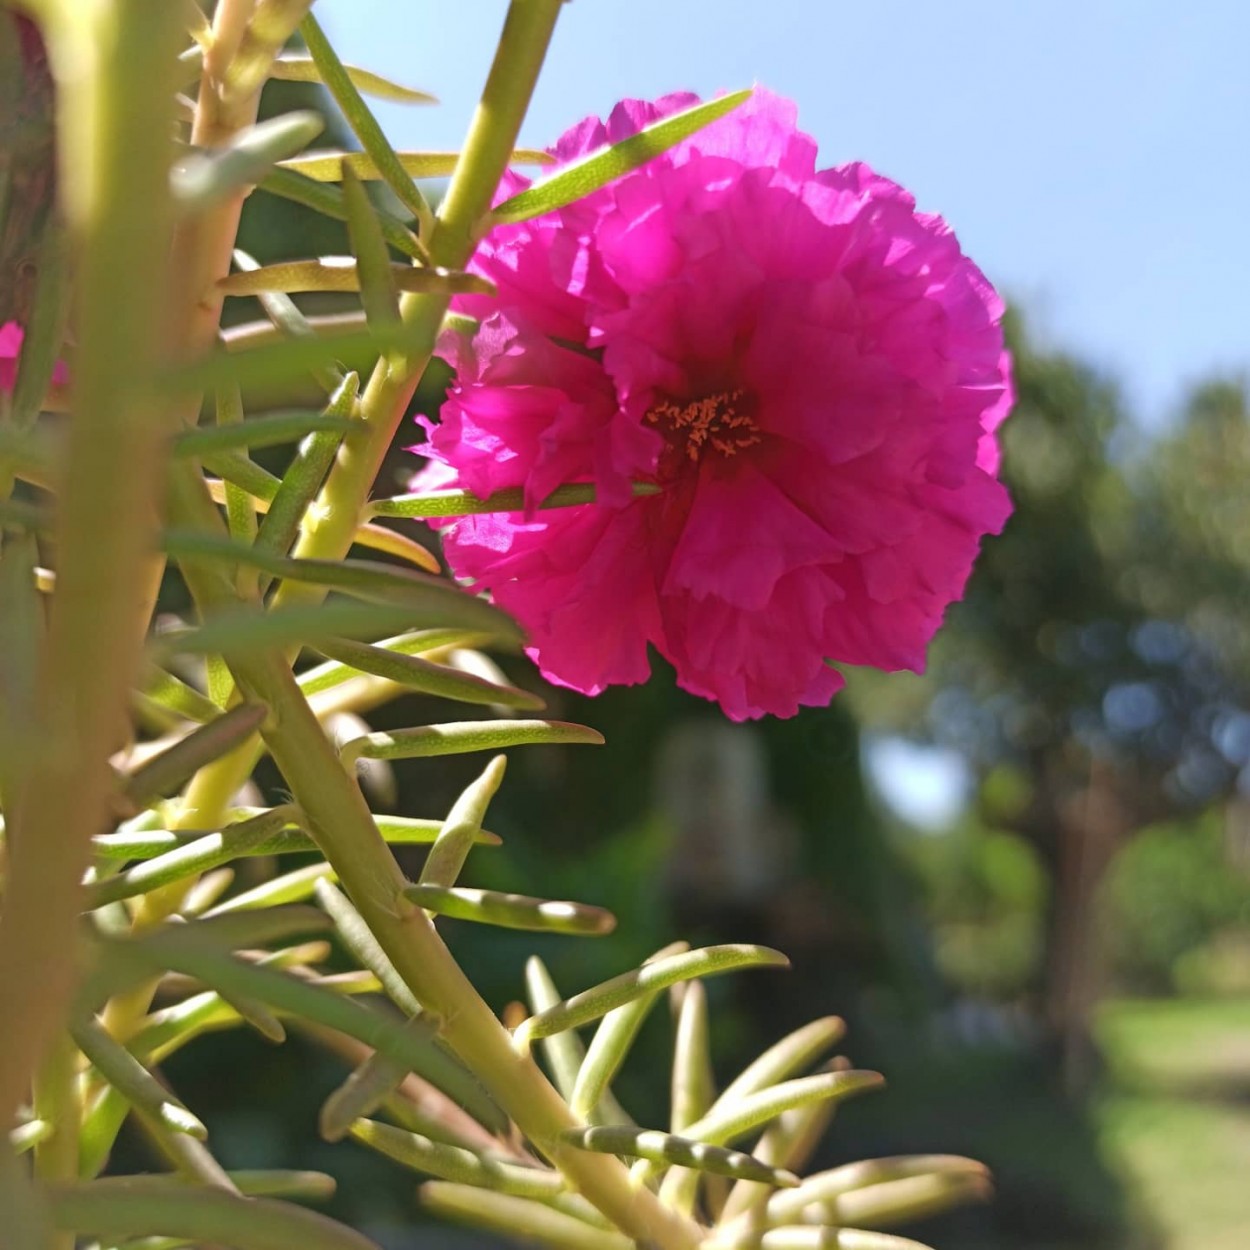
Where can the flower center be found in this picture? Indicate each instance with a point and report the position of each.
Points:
(717, 423)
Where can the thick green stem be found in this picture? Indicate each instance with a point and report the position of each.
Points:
(115, 64)
(487, 150)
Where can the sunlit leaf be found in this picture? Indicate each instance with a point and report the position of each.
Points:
(293, 68)
(362, 121)
(201, 178)
(598, 168)
(144, 1206)
(367, 1087)
(462, 827)
(191, 858)
(270, 430)
(329, 166)
(867, 1176)
(453, 1163)
(166, 772)
(305, 474)
(429, 678)
(599, 1000)
(359, 940)
(131, 1079)
(461, 736)
(339, 273)
(667, 1148)
(377, 276)
(511, 911)
(514, 1218)
(328, 201)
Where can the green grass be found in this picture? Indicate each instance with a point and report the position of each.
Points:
(1175, 1118)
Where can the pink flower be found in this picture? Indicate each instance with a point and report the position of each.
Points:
(11, 337)
(10, 349)
(809, 370)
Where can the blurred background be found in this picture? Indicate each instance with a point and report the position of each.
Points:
(1024, 878)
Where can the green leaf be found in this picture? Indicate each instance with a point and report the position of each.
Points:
(829, 1188)
(564, 1051)
(379, 286)
(185, 950)
(330, 166)
(239, 631)
(284, 1183)
(452, 1163)
(28, 1135)
(669, 1149)
(429, 678)
(132, 1080)
(364, 579)
(286, 316)
(511, 911)
(693, 1089)
(367, 1087)
(240, 508)
(806, 1237)
(795, 1052)
(328, 200)
(305, 474)
(177, 696)
(572, 182)
(327, 676)
(461, 736)
(372, 138)
(607, 1051)
(290, 887)
(140, 1206)
(598, 1001)
(166, 773)
(250, 929)
(905, 1201)
(192, 858)
(268, 431)
(360, 941)
(463, 826)
(514, 1218)
(146, 844)
(725, 1124)
(293, 68)
(339, 273)
(239, 471)
(203, 178)
(438, 503)
(283, 361)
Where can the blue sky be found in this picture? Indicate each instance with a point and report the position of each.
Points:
(1093, 157)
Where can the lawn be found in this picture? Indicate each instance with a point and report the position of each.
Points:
(1174, 1118)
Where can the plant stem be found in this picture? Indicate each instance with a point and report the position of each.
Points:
(57, 1101)
(331, 523)
(115, 62)
(200, 254)
(340, 822)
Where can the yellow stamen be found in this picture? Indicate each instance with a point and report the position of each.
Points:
(713, 422)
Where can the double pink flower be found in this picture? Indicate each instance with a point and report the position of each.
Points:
(809, 370)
